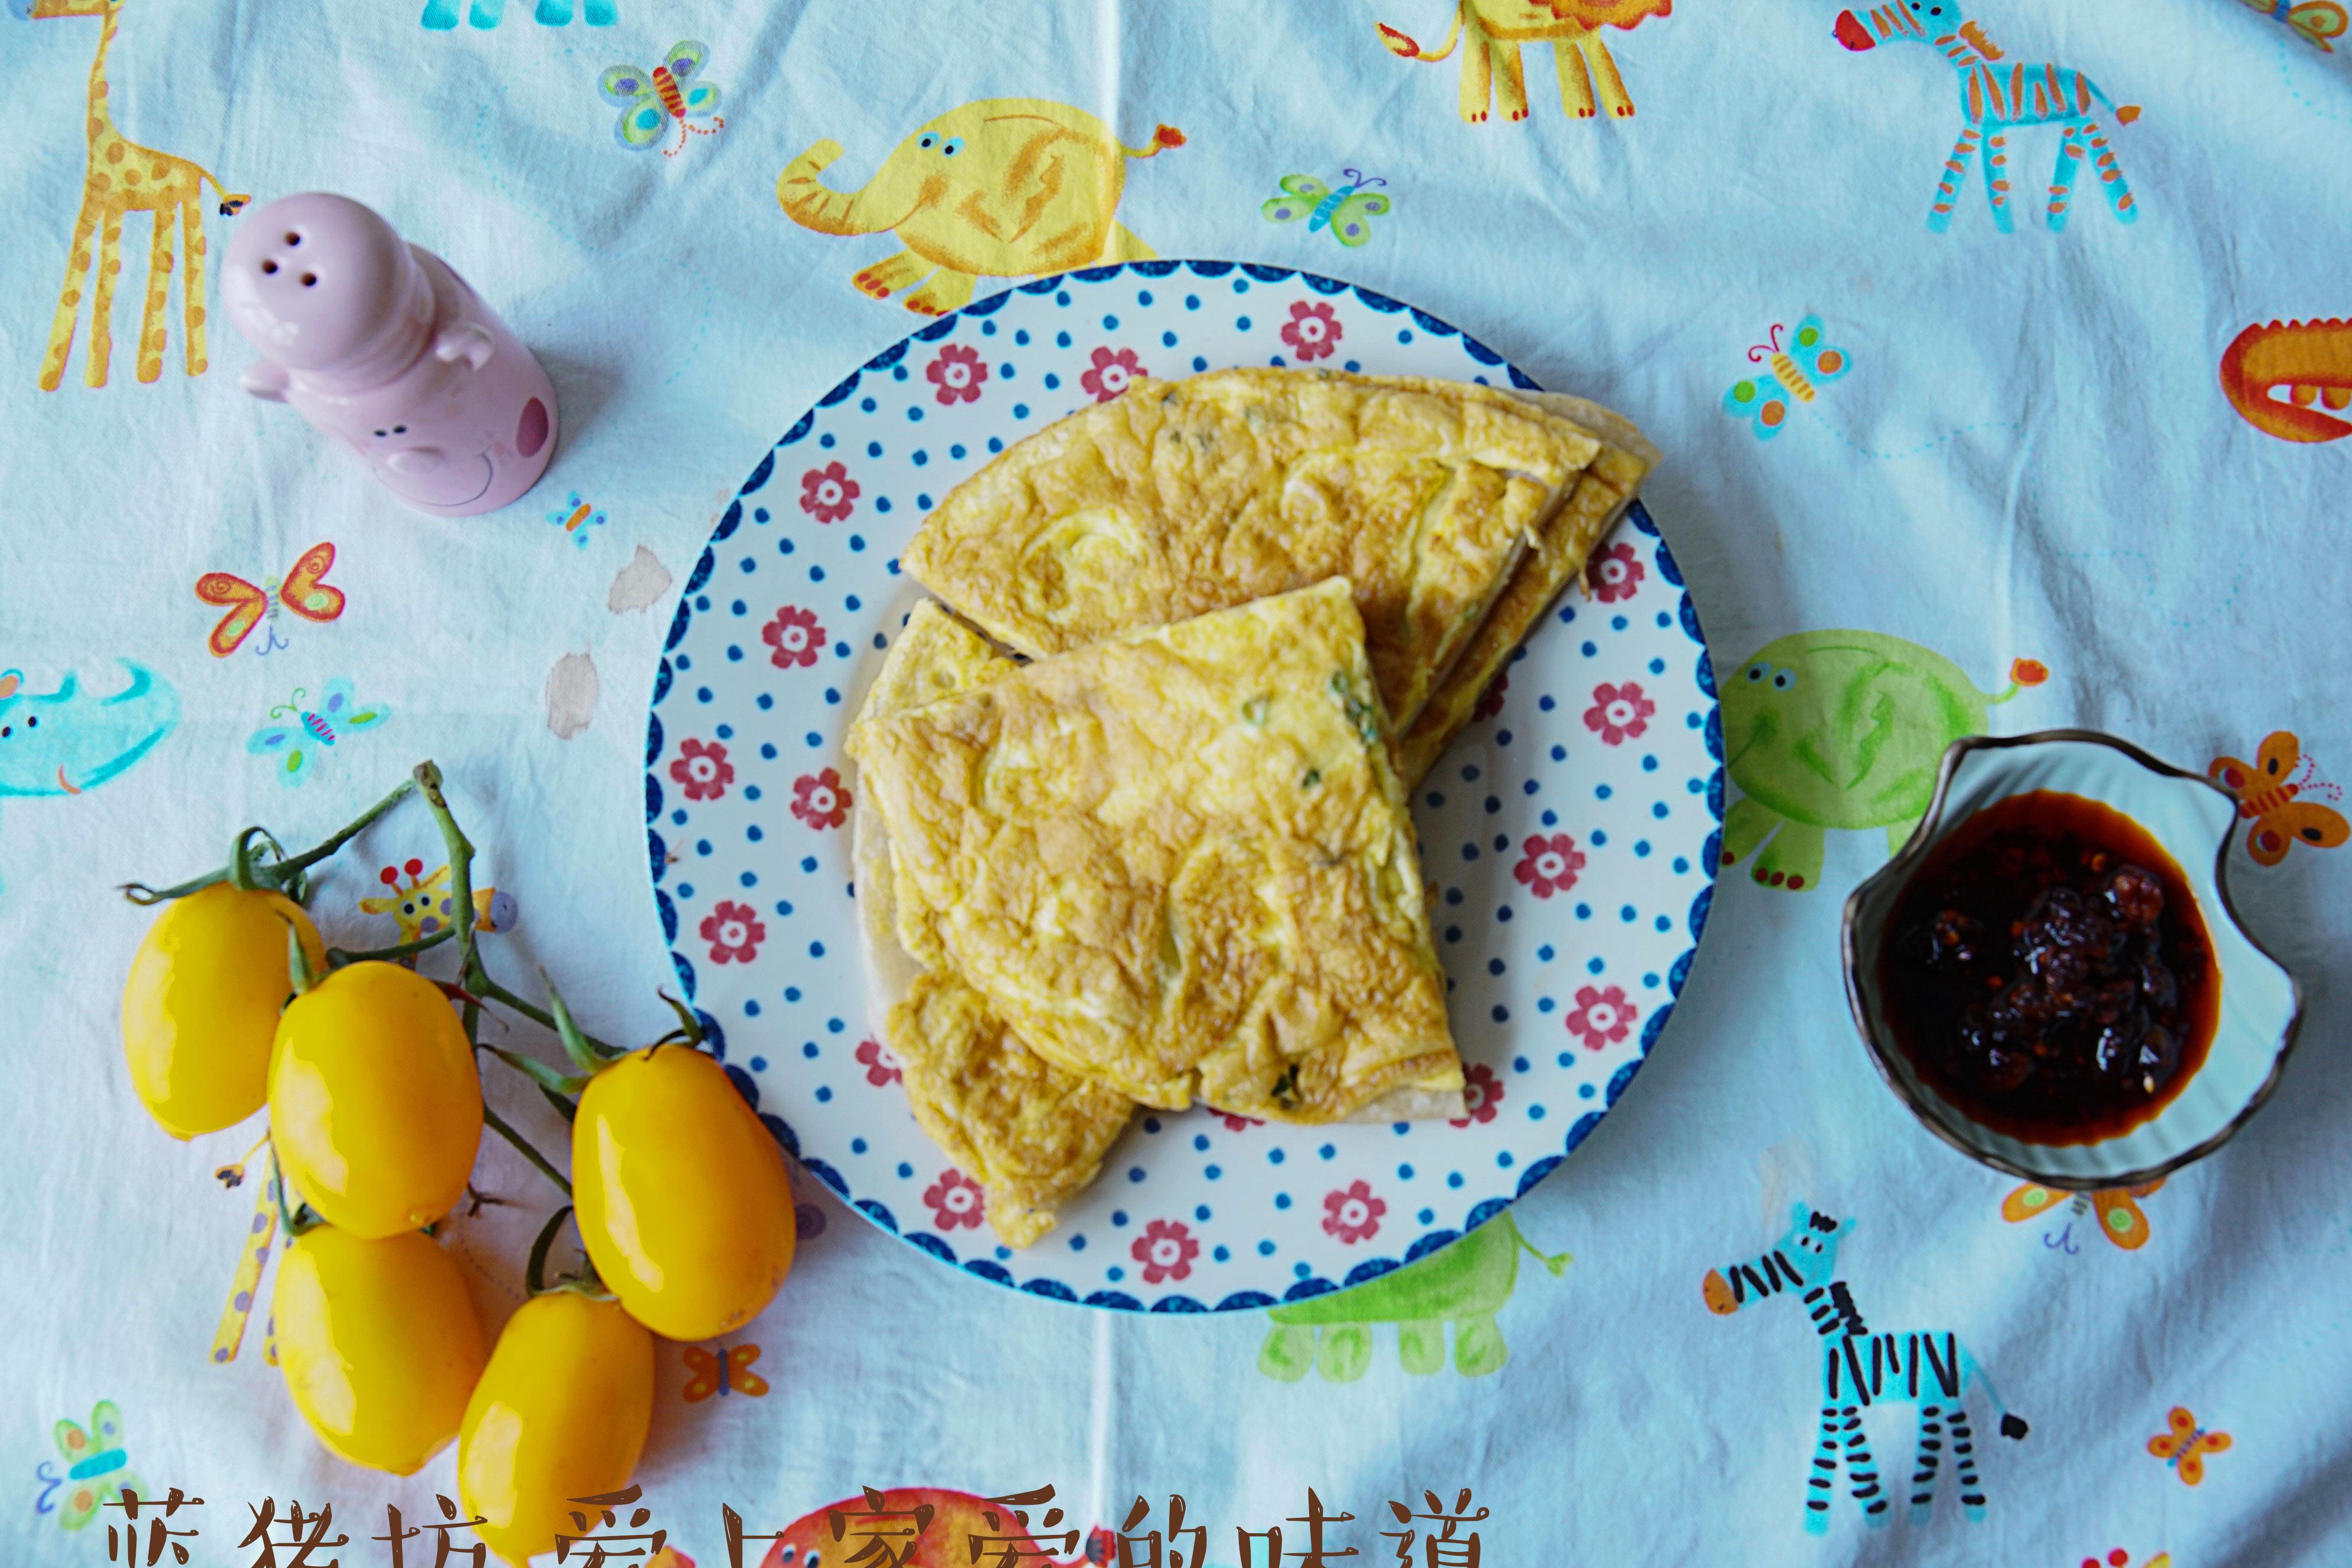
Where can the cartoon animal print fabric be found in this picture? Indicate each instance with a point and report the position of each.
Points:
(2119, 1216)
(651, 99)
(123, 178)
(97, 1466)
(1994, 101)
(1840, 729)
(722, 1370)
(440, 16)
(303, 731)
(1928, 1368)
(66, 741)
(420, 904)
(1491, 31)
(2280, 794)
(1005, 187)
(303, 589)
(2317, 22)
(2184, 1443)
(1464, 1285)
(2308, 361)
(1346, 212)
(1796, 372)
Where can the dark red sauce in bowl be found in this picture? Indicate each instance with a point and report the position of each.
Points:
(2047, 970)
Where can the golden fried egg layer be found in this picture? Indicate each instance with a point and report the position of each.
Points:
(1566, 540)
(1180, 861)
(1181, 497)
(1032, 1135)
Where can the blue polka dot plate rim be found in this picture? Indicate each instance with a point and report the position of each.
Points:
(1568, 839)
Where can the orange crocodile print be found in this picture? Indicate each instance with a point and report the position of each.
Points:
(2312, 360)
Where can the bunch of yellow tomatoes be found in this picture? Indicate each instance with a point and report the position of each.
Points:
(375, 1115)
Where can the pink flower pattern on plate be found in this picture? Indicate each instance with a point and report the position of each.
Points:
(821, 799)
(1351, 1213)
(955, 1200)
(959, 374)
(1313, 330)
(828, 494)
(1548, 865)
(1482, 1095)
(881, 1063)
(734, 933)
(1114, 369)
(1618, 714)
(1166, 1251)
(1602, 1016)
(701, 770)
(793, 638)
(1613, 573)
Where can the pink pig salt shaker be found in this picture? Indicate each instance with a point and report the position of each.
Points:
(378, 343)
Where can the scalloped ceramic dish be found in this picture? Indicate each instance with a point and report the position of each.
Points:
(1569, 838)
(2261, 1006)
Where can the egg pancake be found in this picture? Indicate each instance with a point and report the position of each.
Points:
(1179, 862)
(1030, 1133)
(1178, 499)
(1567, 538)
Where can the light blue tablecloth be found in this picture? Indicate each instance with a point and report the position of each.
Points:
(2032, 456)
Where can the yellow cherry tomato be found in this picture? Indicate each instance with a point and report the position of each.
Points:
(374, 1103)
(560, 1413)
(681, 1193)
(378, 1343)
(201, 1005)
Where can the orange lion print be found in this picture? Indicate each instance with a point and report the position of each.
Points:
(1491, 31)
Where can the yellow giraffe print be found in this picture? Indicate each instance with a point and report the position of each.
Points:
(253, 1253)
(124, 177)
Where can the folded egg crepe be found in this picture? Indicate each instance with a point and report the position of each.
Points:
(1030, 1133)
(1178, 499)
(1177, 863)
(1566, 537)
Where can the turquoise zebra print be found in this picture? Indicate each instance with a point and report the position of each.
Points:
(1930, 1370)
(1997, 99)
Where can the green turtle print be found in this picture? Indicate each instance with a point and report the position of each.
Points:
(1840, 729)
(1464, 1284)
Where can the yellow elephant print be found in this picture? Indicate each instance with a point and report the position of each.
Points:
(1007, 187)
(1491, 32)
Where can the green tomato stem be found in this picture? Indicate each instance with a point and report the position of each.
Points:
(291, 1219)
(489, 989)
(427, 778)
(498, 1125)
(538, 1073)
(534, 1274)
(589, 1056)
(242, 872)
(139, 892)
(299, 967)
(286, 869)
(689, 1027)
(339, 957)
(285, 873)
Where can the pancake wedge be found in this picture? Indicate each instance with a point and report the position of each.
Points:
(1566, 540)
(1032, 1135)
(1178, 499)
(1179, 862)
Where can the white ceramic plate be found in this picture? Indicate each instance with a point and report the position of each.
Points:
(1570, 837)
